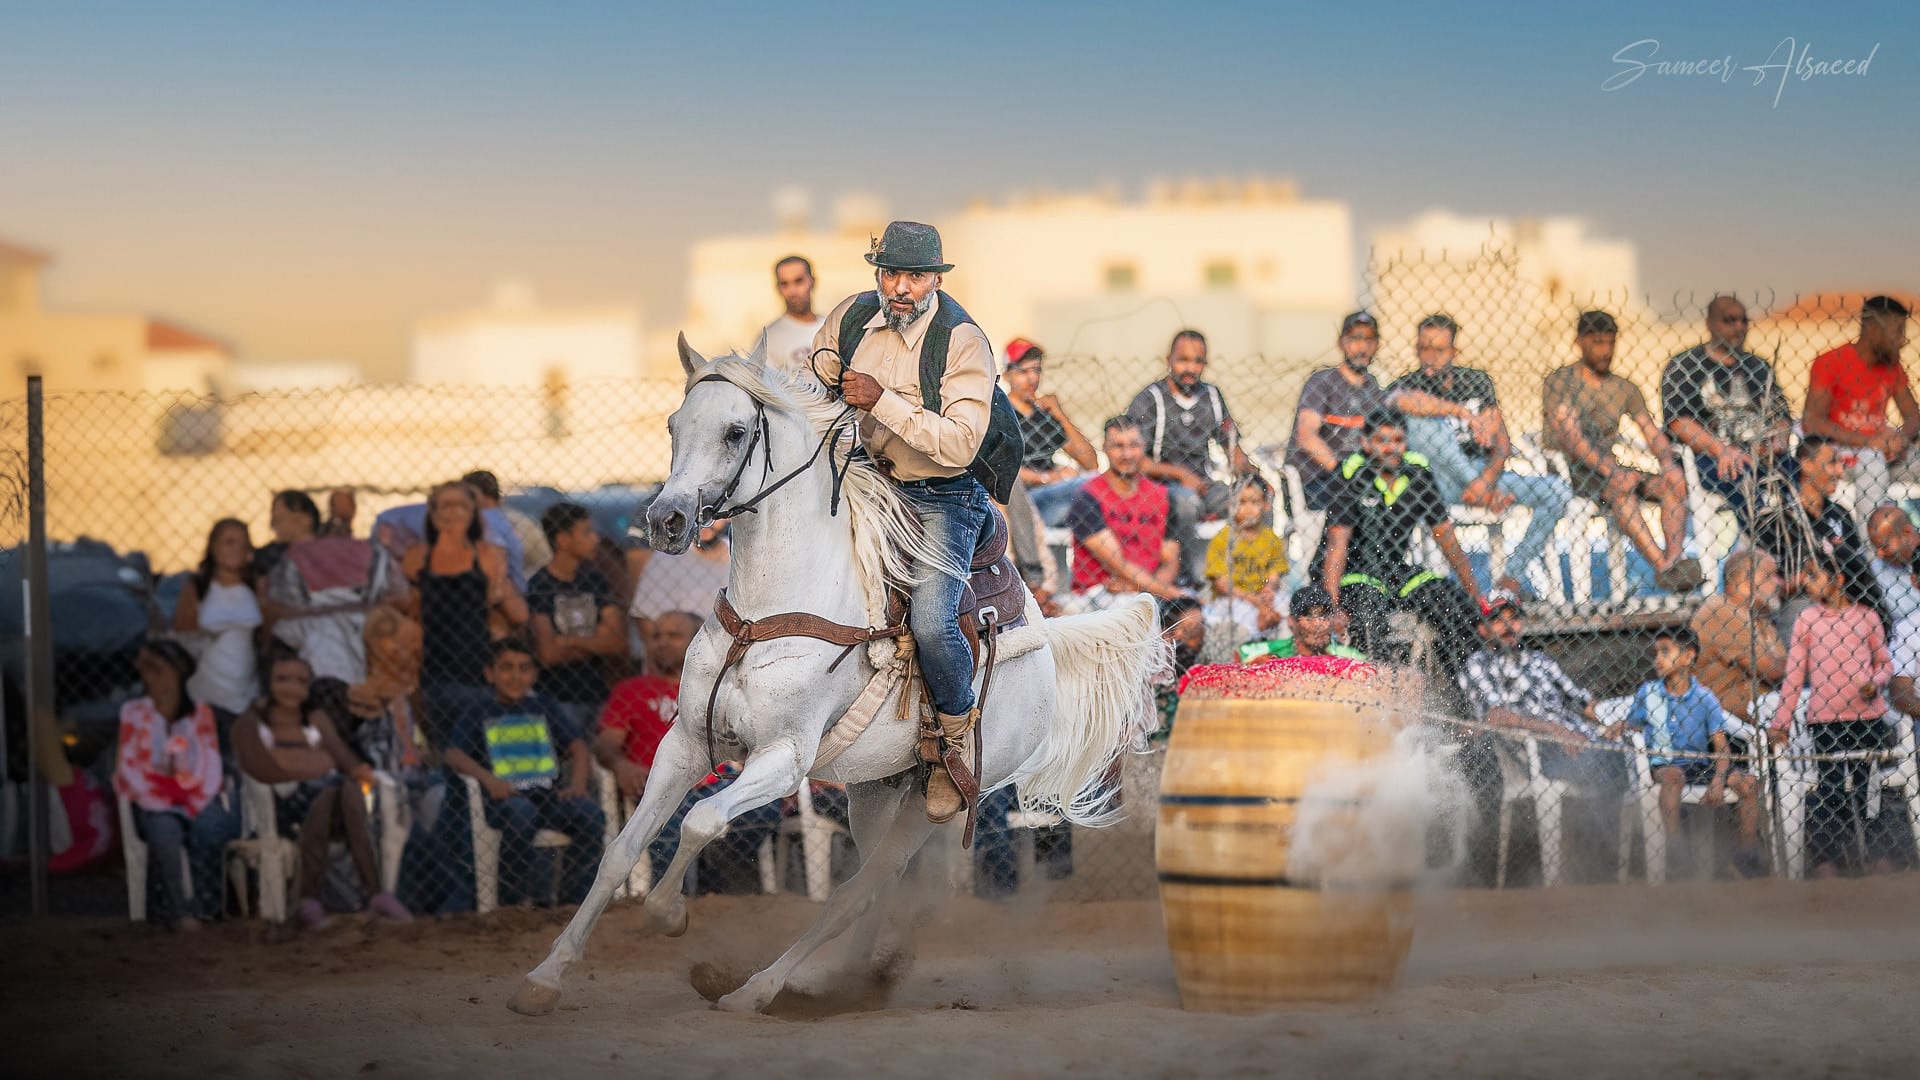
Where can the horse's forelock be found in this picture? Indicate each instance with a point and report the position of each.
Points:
(773, 388)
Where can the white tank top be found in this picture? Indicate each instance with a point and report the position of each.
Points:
(225, 675)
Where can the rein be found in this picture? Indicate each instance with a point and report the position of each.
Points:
(763, 433)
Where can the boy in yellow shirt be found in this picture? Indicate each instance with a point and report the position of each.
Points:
(1246, 589)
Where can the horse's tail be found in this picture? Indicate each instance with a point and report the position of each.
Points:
(1106, 663)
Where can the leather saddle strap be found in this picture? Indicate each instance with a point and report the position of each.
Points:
(745, 632)
(991, 633)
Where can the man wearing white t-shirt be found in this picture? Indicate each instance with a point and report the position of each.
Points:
(789, 339)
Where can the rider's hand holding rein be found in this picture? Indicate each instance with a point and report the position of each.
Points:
(860, 390)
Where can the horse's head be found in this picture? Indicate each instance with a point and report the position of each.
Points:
(714, 433)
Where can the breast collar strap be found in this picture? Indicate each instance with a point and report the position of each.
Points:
(763, 433)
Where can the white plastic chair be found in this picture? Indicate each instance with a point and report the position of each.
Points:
(1522, 780)
(1652, 825)
(134, 851)
(1304, 529)
(486, 848)
(274, 858)
(396, 819)
(1584, 525)
(815, 835)
(1716, 529)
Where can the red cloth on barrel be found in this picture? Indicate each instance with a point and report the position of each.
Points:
(1257, 680)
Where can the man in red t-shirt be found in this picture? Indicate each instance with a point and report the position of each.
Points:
(1847, 401)
(640, 709)
(1119, 523)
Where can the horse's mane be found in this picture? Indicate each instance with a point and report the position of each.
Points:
(888, 545)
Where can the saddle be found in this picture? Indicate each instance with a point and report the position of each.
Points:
(993, 594)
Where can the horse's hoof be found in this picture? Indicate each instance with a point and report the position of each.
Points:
(670, 923)
(533, 999)
(745, 1000)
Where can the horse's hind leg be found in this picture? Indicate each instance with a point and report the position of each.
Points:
(768, 774)
(674, 773)
(879, 871)
(871, 807)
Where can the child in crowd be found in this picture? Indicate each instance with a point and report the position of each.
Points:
(1311, 612)
(1246, 562)
(296, 750)
(513, 745)
(1683, 723)
(169, 768)
(1839, 652)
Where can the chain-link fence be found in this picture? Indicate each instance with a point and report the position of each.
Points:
(278, 617)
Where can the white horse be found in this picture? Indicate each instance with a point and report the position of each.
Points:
(1064, 701)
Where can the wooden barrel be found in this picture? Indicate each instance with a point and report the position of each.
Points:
(1245, 936)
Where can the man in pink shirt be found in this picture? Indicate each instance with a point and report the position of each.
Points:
(1847, 397)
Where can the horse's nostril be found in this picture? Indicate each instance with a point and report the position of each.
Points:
(676, 523)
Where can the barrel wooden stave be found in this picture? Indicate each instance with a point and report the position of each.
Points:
(1244, 935)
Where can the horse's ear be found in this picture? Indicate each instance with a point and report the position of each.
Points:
(688, 358)
(758, 357)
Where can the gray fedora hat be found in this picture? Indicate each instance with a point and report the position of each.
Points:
(908, 245)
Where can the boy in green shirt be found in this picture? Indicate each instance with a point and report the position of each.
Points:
(1312, 613)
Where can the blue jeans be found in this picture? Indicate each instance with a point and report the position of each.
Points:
(1051, 501)
(204, 839)
(953, 512)
(1453, 470)
(527, 871)
(1782, 466)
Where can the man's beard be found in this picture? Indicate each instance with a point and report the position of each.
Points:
(899, 323)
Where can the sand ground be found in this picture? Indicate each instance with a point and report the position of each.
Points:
(1754, 979)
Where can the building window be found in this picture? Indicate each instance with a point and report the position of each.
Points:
(1221, 274)
(1121, 277)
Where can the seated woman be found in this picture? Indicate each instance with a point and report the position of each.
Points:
(316, 787)
(169, 769)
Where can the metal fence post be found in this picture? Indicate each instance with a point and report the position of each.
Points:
(37, 619)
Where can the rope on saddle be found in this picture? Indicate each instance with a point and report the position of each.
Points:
(745, 632)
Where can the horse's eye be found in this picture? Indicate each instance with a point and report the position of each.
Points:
(735, 434)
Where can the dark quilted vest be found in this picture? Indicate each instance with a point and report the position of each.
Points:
(997, 465)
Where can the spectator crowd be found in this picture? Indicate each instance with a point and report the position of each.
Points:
(462, 658)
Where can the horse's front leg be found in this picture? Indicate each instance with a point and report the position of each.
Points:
(770, 772)
(879, 871)
(675, 770)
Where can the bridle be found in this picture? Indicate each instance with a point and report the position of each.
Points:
(762, 432)
(745, 632)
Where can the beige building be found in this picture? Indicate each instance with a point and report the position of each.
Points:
(75, 350)
(1262, 271)
(518, 340)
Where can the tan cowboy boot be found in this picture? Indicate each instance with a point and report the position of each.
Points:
(947, 793)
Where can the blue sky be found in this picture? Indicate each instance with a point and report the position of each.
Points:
(304, 178)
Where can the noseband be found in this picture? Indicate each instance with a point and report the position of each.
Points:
(763, 433)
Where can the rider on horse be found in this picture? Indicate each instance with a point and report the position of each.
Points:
(921, 373)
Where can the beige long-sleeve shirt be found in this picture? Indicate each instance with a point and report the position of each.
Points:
(911, 442)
